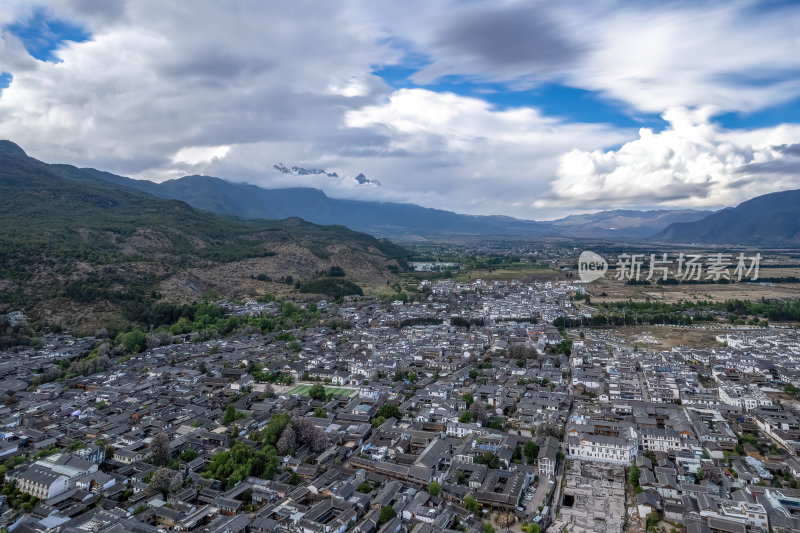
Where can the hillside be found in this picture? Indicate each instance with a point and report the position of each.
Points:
(768, 220)
(83, 252)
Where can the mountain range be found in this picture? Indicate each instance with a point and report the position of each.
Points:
(767, 219)
(771, 219)
(393, 219)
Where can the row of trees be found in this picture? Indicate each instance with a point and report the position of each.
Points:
(653, 311)
(210, 321)
(461, 322)
(632, 319)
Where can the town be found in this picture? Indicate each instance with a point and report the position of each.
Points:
(472, 409)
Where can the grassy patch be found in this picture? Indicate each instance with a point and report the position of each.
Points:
(302, 390)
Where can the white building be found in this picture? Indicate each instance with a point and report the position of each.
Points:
(660, 440)
(750, 514)
(747, 398)
(459, 429)
(42, 482)
(601, 448)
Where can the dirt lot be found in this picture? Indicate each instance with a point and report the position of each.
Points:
(525, 274)
(610, 290)
(666, 337)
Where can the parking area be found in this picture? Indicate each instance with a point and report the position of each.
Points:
(532, 505)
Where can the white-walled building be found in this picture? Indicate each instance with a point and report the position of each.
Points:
(602, 448)
(660, 440)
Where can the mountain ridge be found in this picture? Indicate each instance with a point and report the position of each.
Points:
(391, 219)
(771, 219)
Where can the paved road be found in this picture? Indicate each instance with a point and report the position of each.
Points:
(643, 386)
(556, 501)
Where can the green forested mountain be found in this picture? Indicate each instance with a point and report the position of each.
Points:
(81, 251)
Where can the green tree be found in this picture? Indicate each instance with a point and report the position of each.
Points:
(471, 504)
(388, 410)
(231, 415)
(633, 477)
(240, 461)
(317, 392)
(134, 341)
(496, 423)
(531, 451)
(434, 488)
(188, 455)
(469, 398)
(387, 513)
(271, 433)
(516, 456)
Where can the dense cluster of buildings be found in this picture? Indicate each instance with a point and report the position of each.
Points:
(465, 409)
(712, 433)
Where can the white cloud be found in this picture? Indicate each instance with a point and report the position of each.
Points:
(657, 57)
(464, 149)
(694, 162)
(195, 155)
(652, 57)
(159, 77)
(164, 89)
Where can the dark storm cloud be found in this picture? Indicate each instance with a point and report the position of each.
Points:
(523, 36)
(493, 42)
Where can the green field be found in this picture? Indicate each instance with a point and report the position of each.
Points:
(302, 390)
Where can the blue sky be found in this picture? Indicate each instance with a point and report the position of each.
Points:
(553, 99)
(762, 118)
(536, 110)
(41, 34)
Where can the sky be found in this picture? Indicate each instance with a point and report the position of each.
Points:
(529, 109)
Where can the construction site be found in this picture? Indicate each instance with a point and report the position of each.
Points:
(593, 499)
